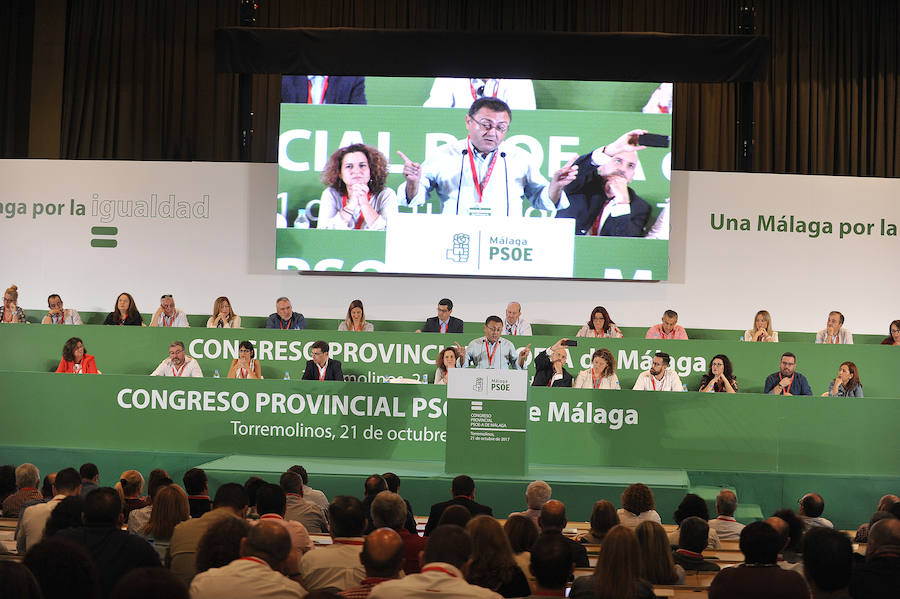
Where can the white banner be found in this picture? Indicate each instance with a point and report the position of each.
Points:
(478, 383)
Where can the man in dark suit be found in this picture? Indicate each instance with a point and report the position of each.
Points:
(548, 366)
(299, 89)
(600, 200)
(552, 522)
(443, 322)
(463, 489)
(321, 367)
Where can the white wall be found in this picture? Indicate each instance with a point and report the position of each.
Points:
(718, 279)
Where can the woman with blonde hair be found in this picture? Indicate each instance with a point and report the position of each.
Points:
(657, 564)
(223, 316)
(356, 319)
(601, 374)
(170, 508)
(493, 565)
(762, 329)
(617, 574)
(129, 488)
(10, 311)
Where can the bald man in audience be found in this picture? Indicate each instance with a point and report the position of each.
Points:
(552, 521)
(382, 556)
(784, 539)
(812, 506)
(515, 323)
(257, 573)
(388, 510)
(724, 523)
(879, 576)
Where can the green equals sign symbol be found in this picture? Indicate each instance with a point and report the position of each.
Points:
(104, 243)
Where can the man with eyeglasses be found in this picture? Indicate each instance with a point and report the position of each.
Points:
(321, 367)
(600, 200)
(492, 351)
(787, 381)
(479, 175)
(167, 315)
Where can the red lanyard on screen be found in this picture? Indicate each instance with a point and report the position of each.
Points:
(490, 354)
(600, 382)
(180, 370)
(444, 325)
(359, 221)
(322, 371)
(475, 94)
(479, 186)
(309, 98)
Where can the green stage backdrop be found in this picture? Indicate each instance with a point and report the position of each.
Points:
(407, 422)
(374, 357)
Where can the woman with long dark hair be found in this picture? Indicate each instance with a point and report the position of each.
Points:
(75, 358)
(125, 312)
(720, 377)
(617, 574)
(600, 325)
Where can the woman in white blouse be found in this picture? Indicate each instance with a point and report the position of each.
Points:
(223, 317)
(356, 318)
(601, 374)
(600, 325)
(246, 366)
(762, 329)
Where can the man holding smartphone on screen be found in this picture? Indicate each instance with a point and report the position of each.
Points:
(600, 200)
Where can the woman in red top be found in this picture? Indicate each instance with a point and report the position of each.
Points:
(75, 359)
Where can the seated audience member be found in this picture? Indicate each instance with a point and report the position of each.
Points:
(462, 489)
(657, 563)
(522, 533)
(58, 314)
(846, 383)
(114, 551)
(637, 506)
(388, 510)
(374, 485)
(812, 506)
(790, 538)
(34, 518)
(28, 477)
(759, 575)
(47, 486)
(724, 524)
(549, 370)
(321, 367)
(125, 313)
(550, 563)
(600, 325)
(355, 197)
(221, 543)
(720, 378)
(668, 328)
(10, 312)
(167, 315)
(356, 319)
(75, 359)
(284, 316)
(492, 564)
(178, 363)
(17, 581)
(245, 366)
(382, 557)
(537, 493)
(150, 583)
(443, 322)
(446, 360)
(256, 573)
(787, 381)
(660, 377)
(251, 486)
(7, 482)
(692, 540)
(230, 502)
(693, 505)
(515, 324)
(138, 517)
(299, 509)
(62, 568)
(601, 374)
(603, 518)
(393, 483)
(129, 488)
(170, 508)
(310, 494)
(762, 329)
(444, 559)
(337, 566)
(893, 337)
(552, 521)
(827, 562)
(482, 352)
(455, 514)
(834, 331)
(879, 575)
(196, 485)
(884, 505)
(90, 477)
(223, 316)
(618, 570)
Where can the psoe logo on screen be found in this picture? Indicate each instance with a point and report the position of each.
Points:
(459, 251)
(509, 249)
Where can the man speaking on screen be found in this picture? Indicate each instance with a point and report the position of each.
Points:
(482, 176)
(600, 199)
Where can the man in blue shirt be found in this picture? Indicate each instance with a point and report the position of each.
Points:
(285, 317)
(787, 381)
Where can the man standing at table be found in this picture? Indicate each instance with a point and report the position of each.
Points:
(492, 351)
(479, 176)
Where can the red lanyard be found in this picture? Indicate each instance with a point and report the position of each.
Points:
(281, 323)
(653, 380)
(490, 354)
(348, 542)
(167, 323)
(475, 94)
(512, 329)
(242, 373)
(180, 370)
(479, 186)
(254, 559)
(56, 318)
(662, 333)
(309, 98)
(600, 382)
(439, 569)
(8, 315)
(322, 371)
(360, 220)
(356, 328)
(788, 388)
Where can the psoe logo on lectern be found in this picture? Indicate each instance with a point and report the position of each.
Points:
(478, 384)
(500, 385)
(459, 252)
